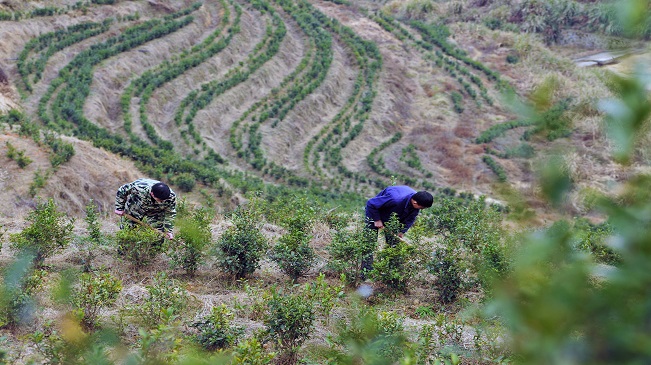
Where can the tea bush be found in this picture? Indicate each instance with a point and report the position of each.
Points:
(396, 262)
(89, 244)
(17, 155)
(348, 250)
(366, 336)
(94, 292)
(21, 282)
(240, 249)
(447, 268)
(324, 296)
(165, 302)
(138, 245)
(192, 239)
(293, 253)
(216, 331)
(49, 231)
(250, 352)
(289, 321)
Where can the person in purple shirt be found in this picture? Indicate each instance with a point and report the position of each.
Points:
(404, 201)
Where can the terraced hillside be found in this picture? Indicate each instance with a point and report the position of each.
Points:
(330, 95)
(298, 93)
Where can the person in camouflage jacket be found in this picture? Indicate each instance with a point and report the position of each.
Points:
(147, 198)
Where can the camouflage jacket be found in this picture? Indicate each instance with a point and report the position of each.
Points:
(134, 199)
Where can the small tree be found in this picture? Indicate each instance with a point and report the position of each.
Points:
(48, 232)
(240, 248)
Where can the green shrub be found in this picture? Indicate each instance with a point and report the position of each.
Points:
(324, 296)
(18, 156)
(21, 282)
(185, 181)
(62, 152)
(90, 244)
(348, 250)
(251, 352)
(446, 266)
(138, 245)
(293, 253)
(395, 266)
(94, 292)
(192, 239)
(395, 263)
(457, 101)
(166, 301)
(216, 331)
(49, 231)
(240, 248)
(288, 321)
(367, 336)
(38, 182)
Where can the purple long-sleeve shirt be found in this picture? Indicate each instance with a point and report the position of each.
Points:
(394, 199)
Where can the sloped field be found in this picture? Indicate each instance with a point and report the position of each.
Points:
(299, 93)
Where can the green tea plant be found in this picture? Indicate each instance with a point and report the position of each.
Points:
(324, 296)
(293, 253)
(40, 179)
(288, 321)
(94, 292)
(90, 244)
(17, 155)
(70, 345)
(21, 282)
(473, 237)
(159, 345)
(348, 249)
(240, 249)
(49, 231)
(448, 268)
(250, 352)
(62, 151)
(216, 330)
(193, 238)
(165, 302)
(367, 336)
(138, 245)
(395, 264)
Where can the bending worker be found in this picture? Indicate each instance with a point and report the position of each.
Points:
(402, 200)
(146, 198)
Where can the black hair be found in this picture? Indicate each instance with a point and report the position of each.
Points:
(423, 198)
(161, 191)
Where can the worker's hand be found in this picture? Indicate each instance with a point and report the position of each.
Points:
(400, 234)
(378, 224)
(170, 235)
(119, 212)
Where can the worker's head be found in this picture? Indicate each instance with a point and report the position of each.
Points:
(160, 192)
(422, 200)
